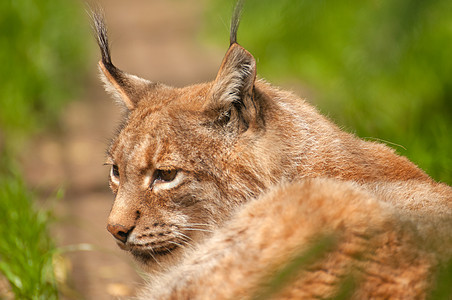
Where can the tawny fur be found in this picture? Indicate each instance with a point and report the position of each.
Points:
(256, 175)
(266, 234)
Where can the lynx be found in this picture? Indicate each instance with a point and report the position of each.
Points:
(221, 186)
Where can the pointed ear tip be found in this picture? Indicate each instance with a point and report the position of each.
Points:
(238, 47)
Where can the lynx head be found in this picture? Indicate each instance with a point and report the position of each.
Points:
(185, 158)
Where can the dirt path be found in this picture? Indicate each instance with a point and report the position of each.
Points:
(154, 39)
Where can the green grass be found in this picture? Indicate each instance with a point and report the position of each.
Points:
(347, 285)
(26, 248)
(442, 289)
(42, 54)
(42, 51)
(287, 274)
(381, 69)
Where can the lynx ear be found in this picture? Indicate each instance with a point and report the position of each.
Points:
(128, 89)
(232, 93)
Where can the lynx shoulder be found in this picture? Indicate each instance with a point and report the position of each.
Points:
(221, 186)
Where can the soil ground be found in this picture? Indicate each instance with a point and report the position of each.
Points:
(157, 40)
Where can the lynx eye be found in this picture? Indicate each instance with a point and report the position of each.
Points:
(165, 179)
(165, 175)
(114, 174)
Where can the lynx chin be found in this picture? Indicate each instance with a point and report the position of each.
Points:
(220, 186)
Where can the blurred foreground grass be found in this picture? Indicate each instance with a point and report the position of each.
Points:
(41, 55)
(382, 69)
(319, 249)
(26, 249)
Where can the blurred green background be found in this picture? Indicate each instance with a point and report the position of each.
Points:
(42, 50)
(42, 54)
(379, 68)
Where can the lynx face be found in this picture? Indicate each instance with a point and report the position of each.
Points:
(180, 163)
(169, 172)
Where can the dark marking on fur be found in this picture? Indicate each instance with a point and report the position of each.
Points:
(100, 29)
(235, 21)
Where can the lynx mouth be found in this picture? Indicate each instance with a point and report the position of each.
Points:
(150, 256)
(149, 250)
(163, 250)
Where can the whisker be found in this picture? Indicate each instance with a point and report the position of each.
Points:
(183, 244)
(151, 251)
(198, 229)
(180, 234)
(198, 224)
(177, 244)
(167, 249)
(185, 240)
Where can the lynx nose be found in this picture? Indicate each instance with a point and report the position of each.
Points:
(120, 232)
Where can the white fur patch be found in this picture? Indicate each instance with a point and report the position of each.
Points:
(162, 185)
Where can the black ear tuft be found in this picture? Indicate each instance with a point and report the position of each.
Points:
(100, 29)
(232, 95)
(235, 22)
(128, 89)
